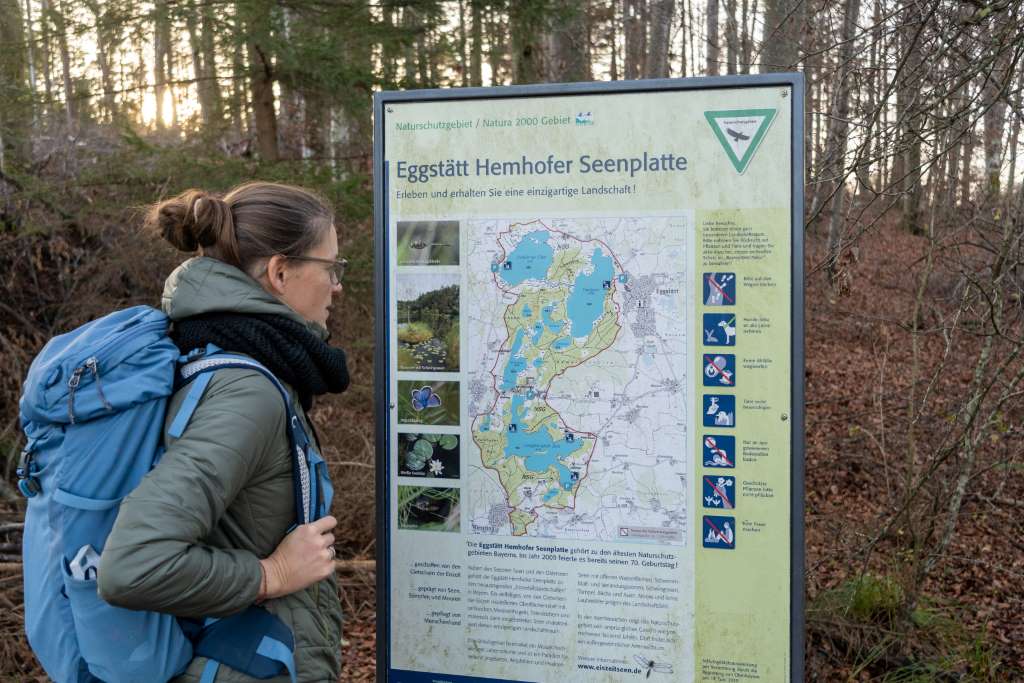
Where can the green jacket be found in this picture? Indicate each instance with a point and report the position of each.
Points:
(189, 539)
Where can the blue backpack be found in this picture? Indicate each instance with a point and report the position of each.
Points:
(93, 412)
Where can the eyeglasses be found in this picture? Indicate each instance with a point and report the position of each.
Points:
(337, 267)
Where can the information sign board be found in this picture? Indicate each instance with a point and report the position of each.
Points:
(590, 382)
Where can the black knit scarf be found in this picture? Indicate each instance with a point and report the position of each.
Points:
(286, 347)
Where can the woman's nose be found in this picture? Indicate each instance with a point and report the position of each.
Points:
(336, 288)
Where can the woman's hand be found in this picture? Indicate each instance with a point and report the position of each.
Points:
(305, 556)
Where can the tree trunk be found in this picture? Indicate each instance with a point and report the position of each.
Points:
(783, 24)
(262, 85)
(388, 53)
(476, 78)
(204, 65)
(213, 115)
(659, 14)
(838, 135)
(463, 57)
(1015, 137)
(732, 41)
(912, 121)
(526, 21)
(746, 40)
(161, 62)
(237, 106)
(44, 44)
(107, 39)
(568, 49)
(613, 40)
(691, 38)
(864, 182)
(967, 148)
(290, 120)
(30, 53)
(70, 103)
(317, 124)
(636, 36)
(423, 59)
(713, 39)
(684, 39)
(949, 198)
(13, 90)
(995, 115)
(410, 65)
(496, 46)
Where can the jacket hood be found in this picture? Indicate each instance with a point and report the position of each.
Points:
(206, 285)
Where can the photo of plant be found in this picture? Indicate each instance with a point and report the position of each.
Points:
(428, 403)
(428, 455)
(425, 508)
(428, 321)
(428, 243)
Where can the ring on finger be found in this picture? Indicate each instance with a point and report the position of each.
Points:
(334, 553)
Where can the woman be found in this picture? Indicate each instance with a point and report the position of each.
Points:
(206, 534)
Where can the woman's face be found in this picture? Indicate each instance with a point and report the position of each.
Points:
(307, 286)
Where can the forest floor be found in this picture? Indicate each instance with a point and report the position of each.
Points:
(968, 625)
(857, 381)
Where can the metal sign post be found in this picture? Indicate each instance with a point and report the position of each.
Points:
(589, 382)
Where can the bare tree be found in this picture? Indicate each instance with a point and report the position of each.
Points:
(732, 38)
(838, 130)
(783, 23)
(59, 18)
(635, 22)
(526, 29)
(261, 81)
(476, 78)
(567, 42)
(711, 67)
(660, 14)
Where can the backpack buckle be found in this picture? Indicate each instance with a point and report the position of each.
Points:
(28, 484)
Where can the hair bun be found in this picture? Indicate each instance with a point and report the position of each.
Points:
(191, 220)
(209, 215)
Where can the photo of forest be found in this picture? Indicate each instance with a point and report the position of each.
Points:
(428, 243)
(428, 321)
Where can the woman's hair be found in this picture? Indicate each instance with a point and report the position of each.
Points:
(253, 221)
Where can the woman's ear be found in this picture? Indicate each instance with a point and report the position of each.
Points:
(277, 273)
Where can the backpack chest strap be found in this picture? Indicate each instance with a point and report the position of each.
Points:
(200, 372)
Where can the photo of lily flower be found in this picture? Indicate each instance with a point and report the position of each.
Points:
(428, 455)
(429, 403)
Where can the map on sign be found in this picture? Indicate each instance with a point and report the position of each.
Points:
(576, 352)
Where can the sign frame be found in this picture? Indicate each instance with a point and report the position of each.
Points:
(382, 332)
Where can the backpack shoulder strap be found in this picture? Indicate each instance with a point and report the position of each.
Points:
(199, 372)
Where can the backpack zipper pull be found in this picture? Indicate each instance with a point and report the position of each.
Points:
(93, 364)
(73, 381)
(28, 484)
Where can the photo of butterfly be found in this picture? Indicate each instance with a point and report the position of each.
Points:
(428, 403)
(425, 398)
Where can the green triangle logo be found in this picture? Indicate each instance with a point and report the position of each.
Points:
(740, 131)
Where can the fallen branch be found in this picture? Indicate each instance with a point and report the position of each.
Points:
(353, 566)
